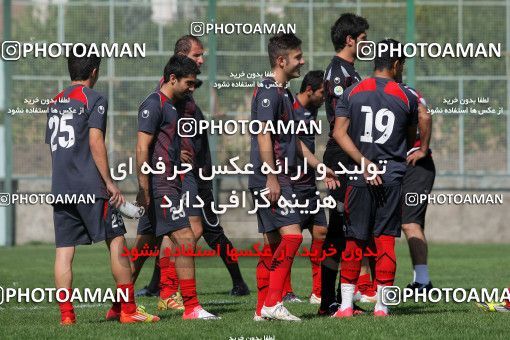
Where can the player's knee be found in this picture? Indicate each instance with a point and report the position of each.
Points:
(412, 230)
(115, 241)
(184, 237)
(64, 255)
(319, 233)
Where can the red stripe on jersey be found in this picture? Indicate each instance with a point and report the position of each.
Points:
(165, 201)
(394, 89)
(365, 85)
(58, 96)
(78, 94)
(295, 105)
(162, 98)
(255, 91)
(105, 210)
(417, 143)
(346, 201)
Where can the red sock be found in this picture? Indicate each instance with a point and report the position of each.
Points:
(168, 281)
(287, 285)
(316, 266)
(364, 283)
(189, 295)
(351, 264)
(128, 306)
(508, 301)
(262, 275)
(116, 307)
(280, 267)
(66, 307)
(386, 263)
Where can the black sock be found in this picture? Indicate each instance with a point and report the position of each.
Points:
(154, 284)
(233, 267)
(329, 266)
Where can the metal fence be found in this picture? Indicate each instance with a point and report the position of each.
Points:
(471, 151)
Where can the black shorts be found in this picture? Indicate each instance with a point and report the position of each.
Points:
(77, 224)
(210, 221)
(273, 218)
(308, 220)
(373, 211)
(190, 186)
(144, 226)
(418, 180)
(332, 156)
(162, 221)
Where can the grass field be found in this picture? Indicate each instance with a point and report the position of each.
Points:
(465, 266)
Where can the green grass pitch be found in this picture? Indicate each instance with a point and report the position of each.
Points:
(470, 265)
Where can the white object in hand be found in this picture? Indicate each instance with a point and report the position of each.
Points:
(131, 210)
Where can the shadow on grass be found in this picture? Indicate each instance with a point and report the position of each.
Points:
(411, 310)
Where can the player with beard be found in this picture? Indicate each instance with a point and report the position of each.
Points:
(159, 142)
(196, 151)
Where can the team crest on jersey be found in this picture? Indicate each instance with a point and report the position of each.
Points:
(145, 113)
(100, 109)
(338, 90)
(337, 80)
(266, 102)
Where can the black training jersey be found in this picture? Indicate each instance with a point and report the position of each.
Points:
(198, 144)
(307, 115)
(380, 112)
(273, 103)
(158, 116)
(70, 116)
(339, 75)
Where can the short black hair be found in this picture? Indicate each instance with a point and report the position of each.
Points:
(183, 44)
(313, 79)
(280, 44)
(180, 66)
(81, 67)
(348, 24)
(393, 51)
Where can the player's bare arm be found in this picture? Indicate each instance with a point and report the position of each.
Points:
(342, 138)
(98, 150)
(144, 140)
(425, 128)
(266, 156)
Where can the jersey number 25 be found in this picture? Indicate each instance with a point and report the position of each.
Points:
(57, 124)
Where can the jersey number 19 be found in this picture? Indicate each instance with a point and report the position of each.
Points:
(386, 129)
